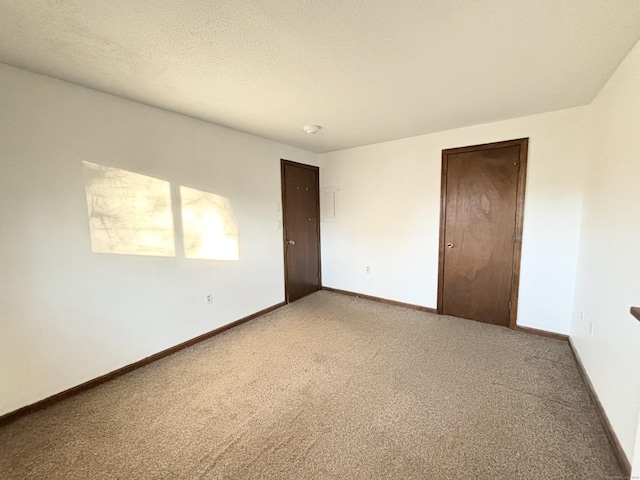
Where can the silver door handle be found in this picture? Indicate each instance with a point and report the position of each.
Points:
(291, 242)
(449, 245)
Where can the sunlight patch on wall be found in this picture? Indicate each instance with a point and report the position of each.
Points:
(129, 213)
(208, 225)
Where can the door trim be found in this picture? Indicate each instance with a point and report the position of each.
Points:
(523, 143)
(284, 162)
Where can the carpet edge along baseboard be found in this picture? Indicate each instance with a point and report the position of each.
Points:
(381, 300)
(543, 333)
(619, 452)
(89, 384)
(533, 331)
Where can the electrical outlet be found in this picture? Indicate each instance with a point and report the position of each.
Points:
(367, 269)
(208, 298)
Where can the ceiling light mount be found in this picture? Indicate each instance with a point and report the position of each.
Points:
(311, 129)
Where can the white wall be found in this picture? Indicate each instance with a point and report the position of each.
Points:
(68, 315)
(388, 210)
(635, 467)
(609, 261)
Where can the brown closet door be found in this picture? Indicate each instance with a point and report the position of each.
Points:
(481, 225)
(301, 215)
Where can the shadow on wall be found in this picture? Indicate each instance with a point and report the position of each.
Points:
(132, 214)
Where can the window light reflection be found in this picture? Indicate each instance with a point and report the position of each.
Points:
(129, 213)
(209, 226)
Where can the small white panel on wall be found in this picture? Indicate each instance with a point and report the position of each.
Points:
(328, 212)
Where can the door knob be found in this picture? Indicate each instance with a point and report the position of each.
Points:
(291, 242)
(449, 245)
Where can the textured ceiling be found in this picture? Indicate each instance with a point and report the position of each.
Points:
(367, 71)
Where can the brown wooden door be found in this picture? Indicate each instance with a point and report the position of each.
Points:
(301, 214)
(481, 231)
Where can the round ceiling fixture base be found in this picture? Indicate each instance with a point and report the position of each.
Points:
(311, 129)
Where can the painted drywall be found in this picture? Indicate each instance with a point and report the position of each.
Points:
(609, 260)
(388, 214)
(635, 468)
(68, 315)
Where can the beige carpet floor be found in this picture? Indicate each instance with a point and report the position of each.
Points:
(329, 387)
